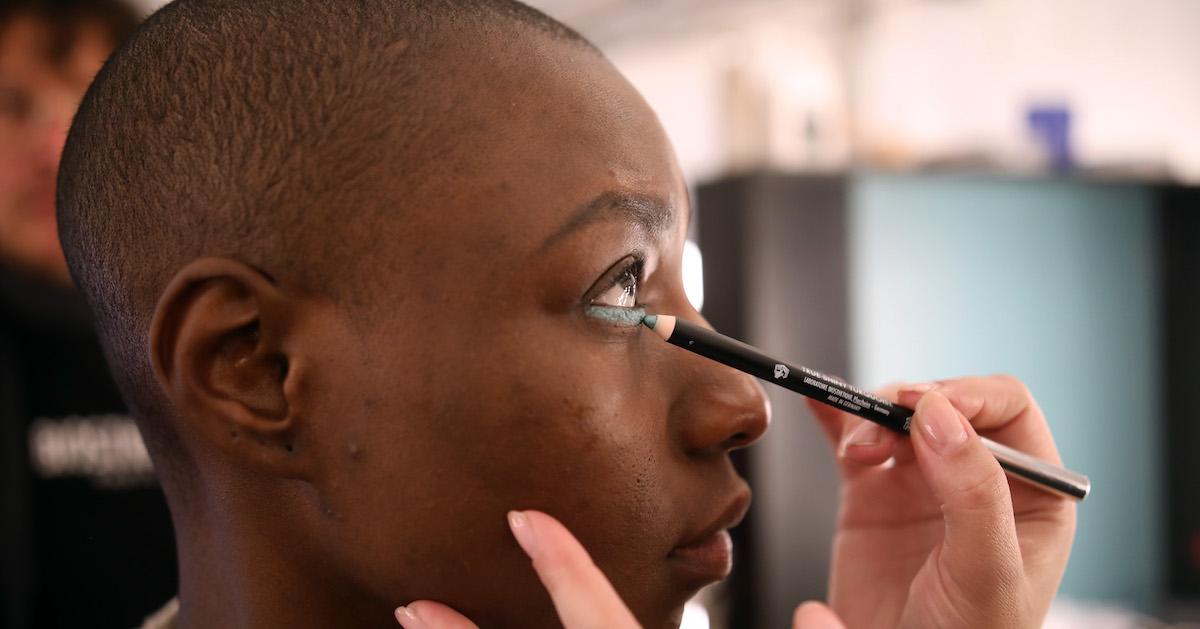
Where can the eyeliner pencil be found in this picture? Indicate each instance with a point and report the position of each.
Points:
(838, 394)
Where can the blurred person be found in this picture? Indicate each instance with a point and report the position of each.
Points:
(368, 276)
(84, 533)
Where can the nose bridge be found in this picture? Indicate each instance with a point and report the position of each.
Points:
(719, 408)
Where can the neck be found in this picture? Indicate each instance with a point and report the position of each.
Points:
(242, 565)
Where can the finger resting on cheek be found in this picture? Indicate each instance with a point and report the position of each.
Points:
(814, 615)
(431, 615)
(581, 593)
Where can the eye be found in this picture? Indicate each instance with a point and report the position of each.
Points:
(619, 287)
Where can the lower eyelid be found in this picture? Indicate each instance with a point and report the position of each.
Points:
(618, 315)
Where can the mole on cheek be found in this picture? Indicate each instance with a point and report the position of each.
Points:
(355, 451)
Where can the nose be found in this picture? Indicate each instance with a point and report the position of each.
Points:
(718, 409)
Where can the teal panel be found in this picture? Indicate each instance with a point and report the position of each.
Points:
(1054, 282)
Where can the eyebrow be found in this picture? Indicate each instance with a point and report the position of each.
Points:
(651, 214)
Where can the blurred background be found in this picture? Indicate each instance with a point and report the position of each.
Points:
(885, 190)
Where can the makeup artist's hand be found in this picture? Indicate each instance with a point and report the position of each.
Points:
(582, 595)
(931, 533)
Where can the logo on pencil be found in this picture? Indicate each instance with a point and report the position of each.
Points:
(781, 371)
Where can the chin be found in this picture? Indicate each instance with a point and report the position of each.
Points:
(665, 614)
(671, 622)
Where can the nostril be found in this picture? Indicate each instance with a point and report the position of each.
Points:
(740, 437)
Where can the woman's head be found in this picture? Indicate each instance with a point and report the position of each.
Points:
(49, 51)
(359, 318)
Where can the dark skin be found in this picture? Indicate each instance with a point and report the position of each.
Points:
(346, 458)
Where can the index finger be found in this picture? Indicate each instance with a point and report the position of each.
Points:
(1000, 407)
(581, 593)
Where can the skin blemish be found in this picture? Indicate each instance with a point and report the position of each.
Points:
(618, 315)
(329, 512)
(355, 451)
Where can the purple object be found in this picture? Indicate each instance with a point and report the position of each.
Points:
(1051, 125)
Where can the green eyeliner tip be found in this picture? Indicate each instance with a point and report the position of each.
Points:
(650, 321)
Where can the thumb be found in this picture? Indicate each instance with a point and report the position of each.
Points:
(980, 557)
(814, 615)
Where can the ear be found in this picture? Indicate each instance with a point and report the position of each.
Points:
(217, 343)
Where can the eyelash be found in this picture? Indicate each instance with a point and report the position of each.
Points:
(631, 272)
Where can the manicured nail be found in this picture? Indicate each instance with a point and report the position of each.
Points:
(408, 618)
(910, 394)
(940, 422)
(865, 434)
(522, 529)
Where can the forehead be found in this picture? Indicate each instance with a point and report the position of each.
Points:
(544, 127)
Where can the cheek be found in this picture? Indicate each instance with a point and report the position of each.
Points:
(445, 451)
(573, 433)
(580, 437)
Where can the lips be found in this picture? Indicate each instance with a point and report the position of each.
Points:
(707, 555)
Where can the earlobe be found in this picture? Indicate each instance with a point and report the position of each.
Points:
(217, 347)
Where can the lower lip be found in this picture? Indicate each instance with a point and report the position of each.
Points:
(708, 560)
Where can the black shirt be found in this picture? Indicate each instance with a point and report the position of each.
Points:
(84, 529)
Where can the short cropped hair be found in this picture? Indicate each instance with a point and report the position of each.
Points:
(259, 130)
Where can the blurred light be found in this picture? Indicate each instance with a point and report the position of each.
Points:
(693, 277)
(694, 614)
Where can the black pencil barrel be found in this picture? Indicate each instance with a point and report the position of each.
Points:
(800, 379)
(834, 392)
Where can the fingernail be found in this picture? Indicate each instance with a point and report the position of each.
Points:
(865, 434)
(940, 422)
(407, 617)
(910, 394)
(522, 530)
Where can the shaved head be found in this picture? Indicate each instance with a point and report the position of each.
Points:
(346, 259)
(275, 133)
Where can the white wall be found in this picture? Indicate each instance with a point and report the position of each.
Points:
(941, 78)
(739, 89)
(905, 81)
